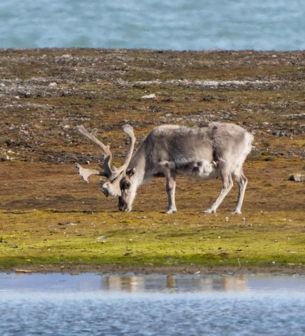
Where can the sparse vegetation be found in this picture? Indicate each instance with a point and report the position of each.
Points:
(45, 93)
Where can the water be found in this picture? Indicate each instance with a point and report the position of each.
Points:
(153, 24)
(93, 304)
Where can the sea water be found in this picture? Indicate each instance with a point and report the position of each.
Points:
(96, 304)
(153, 24)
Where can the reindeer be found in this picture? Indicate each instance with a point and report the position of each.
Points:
(209, 152)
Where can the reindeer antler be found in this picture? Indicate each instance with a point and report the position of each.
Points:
(128, 130)
(114, 175)
(105, 150)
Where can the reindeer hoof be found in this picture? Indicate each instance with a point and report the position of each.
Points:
(171, 211)
(209, 211)
(236, 212)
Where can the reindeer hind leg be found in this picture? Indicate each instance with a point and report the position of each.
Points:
(227, 185)
(242, 182)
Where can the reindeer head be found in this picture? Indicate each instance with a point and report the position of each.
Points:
(119, 180)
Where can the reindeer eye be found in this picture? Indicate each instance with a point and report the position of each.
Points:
(125, 184)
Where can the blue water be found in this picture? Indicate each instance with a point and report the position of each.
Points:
(92, 304)
(153, 24)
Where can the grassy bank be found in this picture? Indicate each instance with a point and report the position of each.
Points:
(259, 239)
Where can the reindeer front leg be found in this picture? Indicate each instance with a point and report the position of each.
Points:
(168, 169)
(170, 189)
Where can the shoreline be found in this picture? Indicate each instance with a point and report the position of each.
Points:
(164, 270)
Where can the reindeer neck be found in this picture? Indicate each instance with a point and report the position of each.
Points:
(138, 161)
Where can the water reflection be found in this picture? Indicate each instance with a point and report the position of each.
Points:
(234, 284)
(173, 283)
(170, 282)
(123, 283)
(98, 304)
(131, 283)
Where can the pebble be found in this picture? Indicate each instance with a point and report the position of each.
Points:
(150, 96)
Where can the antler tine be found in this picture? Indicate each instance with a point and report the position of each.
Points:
(105, 149)
(128, 130)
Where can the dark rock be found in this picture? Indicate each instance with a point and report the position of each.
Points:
(297, 178)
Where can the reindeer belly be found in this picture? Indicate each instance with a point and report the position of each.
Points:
(201, 169)
(206, 170)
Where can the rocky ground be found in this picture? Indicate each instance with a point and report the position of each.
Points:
(45, 93)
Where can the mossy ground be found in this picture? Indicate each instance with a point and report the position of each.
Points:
(189, 238)
(271, 230)
(41, 192)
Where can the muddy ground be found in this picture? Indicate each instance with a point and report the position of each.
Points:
(46, 93)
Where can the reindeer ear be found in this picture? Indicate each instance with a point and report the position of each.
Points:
(131, 172)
